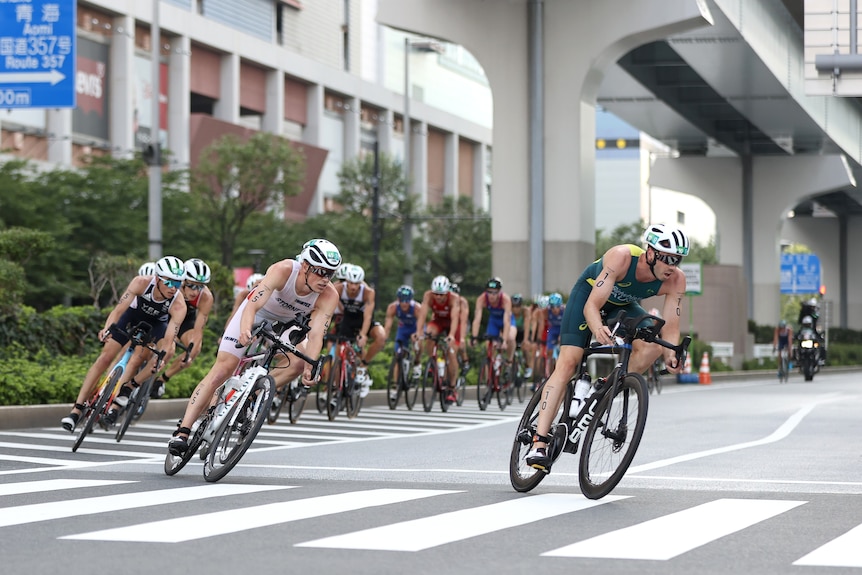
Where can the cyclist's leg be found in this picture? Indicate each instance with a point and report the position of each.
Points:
(111, 349)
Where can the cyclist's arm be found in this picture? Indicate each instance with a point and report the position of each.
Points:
(205, 306)
(390, 315)
(176, 315)
(615, 264)
(674, 290)
(454, 313)
(276, 277)
(135, 288)
(421, 316)
(368, 312)
(477, 315)
(321, 316)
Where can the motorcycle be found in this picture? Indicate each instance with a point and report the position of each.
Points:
(808, 353)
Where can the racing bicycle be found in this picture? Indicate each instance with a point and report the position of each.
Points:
(608, 425)
(400, 379)
(494, 378)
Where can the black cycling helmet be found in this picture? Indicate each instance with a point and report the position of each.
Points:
(494, 283)
(404, 293)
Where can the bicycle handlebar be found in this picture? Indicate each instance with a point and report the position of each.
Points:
(630, 329)
(263, 330)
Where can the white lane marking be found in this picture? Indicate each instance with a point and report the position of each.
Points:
(68, 450)
(222, 522)
(428, 532)
(782, 432)
(666, 537)
(54, 485)
(107, 503)
(842, 551)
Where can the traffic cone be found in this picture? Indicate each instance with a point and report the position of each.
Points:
(686, 368)
(704, 376)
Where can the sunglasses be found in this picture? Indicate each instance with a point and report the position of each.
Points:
(322, 272)
(194, 287)
(492, 291)
(668, 259)
(172, 283)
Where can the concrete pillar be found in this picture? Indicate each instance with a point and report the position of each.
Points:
(582, 38)
(779, 184)
(179, 101)
(123, 104)
(59, 124)
(273, 116)
(419, 159)
(312, 134)
(450, 167)
(480, 162)
(385, 131)
(352, 109)
(227, 107)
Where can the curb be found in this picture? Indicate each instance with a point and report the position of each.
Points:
(28, 416)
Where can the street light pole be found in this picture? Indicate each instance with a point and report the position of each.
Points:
(408, 224)
(155, 155)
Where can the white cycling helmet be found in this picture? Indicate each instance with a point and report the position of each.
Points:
(355, 274)
(170, 267)
(666, 239)
(440, 284)
(543, 301)
(321, 253)
(253, 280)
(147, 269)
(197, 271)
(341, 272)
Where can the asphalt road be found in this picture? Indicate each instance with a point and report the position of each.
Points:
(736, 477)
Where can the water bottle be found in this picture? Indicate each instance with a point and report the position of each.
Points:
(582, 389)
(498, 361)
(441, 366)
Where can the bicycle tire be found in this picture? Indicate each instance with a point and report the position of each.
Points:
(443, 392)
(333, 391)
(504, 389)
(429, 385)
(231, 441)
(354, 402)
(460, 384)
(145, 398)
(484, 387)
(393, 384)
(323, 384)
(128, 413)
(173, 463)
(297, 403)
(411, 386)
(95, 411)
(523, 477)
(276, 407)
(604, 460)
(658, 383)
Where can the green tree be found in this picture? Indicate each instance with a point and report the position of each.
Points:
(235, 179)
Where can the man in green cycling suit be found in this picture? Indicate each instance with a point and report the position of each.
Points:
(617, 281)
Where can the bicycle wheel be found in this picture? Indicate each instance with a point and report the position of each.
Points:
(173, 463)
(354, 402)
(484, 386)
(144, 397)
(297, 398)
(460, 383)
(520, 368)
(658, 382)
(333, 391)
(411, 385)
(393, 384)
(231, 441)
(128, 413)
(98, 406)
(429, 385)
(504, 389)
(610, 442)
(323, 384)
(443, 390)
(278, 401)
(522, 476)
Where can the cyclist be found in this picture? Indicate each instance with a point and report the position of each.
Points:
(523, 315)
(538, 332)
(617, 281)
(199, 304)
(250, 284)
(461, 332)
(501, 322)
(147, 269)
(781, 338)
(444, 306)
(290, 290)
(551, 321)
(356, 303)
(406, 310)
(152, 299)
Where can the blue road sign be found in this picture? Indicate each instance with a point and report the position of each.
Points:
(37, 53)
(800, 274)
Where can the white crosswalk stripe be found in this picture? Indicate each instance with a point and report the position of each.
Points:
(672, 535)
(663, 538)
(231, 521)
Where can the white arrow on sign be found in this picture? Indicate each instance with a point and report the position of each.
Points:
(52, 77)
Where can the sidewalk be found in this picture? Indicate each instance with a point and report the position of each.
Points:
(25, 416)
